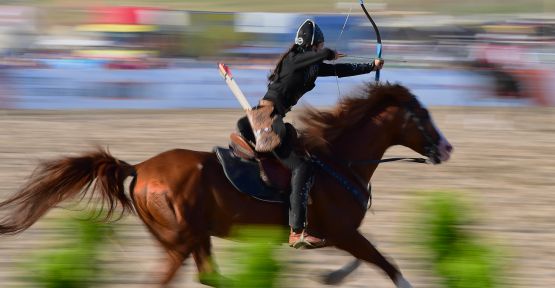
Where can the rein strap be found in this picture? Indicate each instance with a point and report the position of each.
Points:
(349, 186)
(346, 183)
(373, 161)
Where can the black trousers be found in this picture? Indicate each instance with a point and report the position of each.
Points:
(301, 171)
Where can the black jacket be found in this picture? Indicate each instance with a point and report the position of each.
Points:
(298, 73)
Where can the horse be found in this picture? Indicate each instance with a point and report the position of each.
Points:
(184, 198)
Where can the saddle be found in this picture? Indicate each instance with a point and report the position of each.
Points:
(263, 177)
(272, 172)
(258, 175)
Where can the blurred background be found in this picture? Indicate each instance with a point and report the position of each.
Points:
(162, 54)
(140, 76)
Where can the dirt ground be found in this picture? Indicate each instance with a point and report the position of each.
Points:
(503, 163)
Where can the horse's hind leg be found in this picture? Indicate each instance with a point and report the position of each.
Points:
(207, 269)
(159, 215)
(177, 251)
(361, 248)
(174, 262)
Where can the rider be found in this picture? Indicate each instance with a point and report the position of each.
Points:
(293, 76)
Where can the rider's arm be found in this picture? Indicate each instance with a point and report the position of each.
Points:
(308, 58)
(344, 69)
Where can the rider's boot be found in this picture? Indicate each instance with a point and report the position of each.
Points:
(301, 182)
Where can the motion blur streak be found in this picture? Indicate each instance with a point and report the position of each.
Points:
(142, 79)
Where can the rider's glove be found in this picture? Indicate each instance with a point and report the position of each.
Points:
(377, 64)
(332, 54)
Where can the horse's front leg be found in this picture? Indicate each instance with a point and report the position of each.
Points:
(361, 248)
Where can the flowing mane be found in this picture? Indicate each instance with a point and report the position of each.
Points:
(323, 127)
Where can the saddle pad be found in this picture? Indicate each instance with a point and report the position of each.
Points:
(245, 177)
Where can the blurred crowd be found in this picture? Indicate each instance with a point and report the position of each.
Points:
(516, 51)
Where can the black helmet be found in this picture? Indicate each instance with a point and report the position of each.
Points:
(309, 34)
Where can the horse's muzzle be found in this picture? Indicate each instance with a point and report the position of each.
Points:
(444, 150)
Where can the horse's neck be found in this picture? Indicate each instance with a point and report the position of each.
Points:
(368, 143)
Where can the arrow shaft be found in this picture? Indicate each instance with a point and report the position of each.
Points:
(370, 58)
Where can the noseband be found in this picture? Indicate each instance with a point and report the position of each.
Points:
(431, 148)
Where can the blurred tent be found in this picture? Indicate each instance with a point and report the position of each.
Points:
(132, 32)
(17, 28)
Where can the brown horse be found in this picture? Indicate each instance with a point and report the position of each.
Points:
(184, 198)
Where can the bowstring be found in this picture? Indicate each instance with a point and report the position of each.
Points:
(336, 48)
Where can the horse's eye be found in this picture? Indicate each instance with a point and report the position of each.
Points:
(424, 114)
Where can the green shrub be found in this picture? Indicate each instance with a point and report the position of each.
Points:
(254, 259)
(458, 256)
(75, 261)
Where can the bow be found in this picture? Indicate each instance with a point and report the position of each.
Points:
(378, 37)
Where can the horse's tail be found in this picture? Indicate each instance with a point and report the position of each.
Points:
(58, 180)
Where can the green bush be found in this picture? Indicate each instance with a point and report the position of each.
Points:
(74, 262)
(458, 256)
(254, 259)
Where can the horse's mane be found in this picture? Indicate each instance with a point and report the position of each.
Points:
(323, 127)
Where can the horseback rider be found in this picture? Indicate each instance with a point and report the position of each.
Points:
(293, 76)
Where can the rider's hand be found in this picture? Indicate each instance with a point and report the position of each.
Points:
(332, 54)
(378, 64)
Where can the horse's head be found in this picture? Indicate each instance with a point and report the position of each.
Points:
(383, 113)
(417, 130)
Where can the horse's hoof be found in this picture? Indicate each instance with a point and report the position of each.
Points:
(332, 278)
(401, 282)
(214, 280)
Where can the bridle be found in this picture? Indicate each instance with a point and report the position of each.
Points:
(431, 151)
(431, 147)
